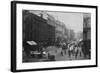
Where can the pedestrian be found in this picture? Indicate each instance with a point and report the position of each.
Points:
(61, 53)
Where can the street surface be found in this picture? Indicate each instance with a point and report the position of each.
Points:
(58, 57)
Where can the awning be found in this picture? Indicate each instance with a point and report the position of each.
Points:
(31, 42)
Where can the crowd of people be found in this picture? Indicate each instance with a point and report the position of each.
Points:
(72, 48)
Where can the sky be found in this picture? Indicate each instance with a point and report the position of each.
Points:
(72, 21)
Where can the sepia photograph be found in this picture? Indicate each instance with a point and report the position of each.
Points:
(55, 36)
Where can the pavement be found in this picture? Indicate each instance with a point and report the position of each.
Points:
(58, 57)
(63, 57)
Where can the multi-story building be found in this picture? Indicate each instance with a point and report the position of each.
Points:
(36, 28)
(60, 28)
(41, 26)
(87, 26)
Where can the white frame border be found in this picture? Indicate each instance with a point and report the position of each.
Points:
(38, 65)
